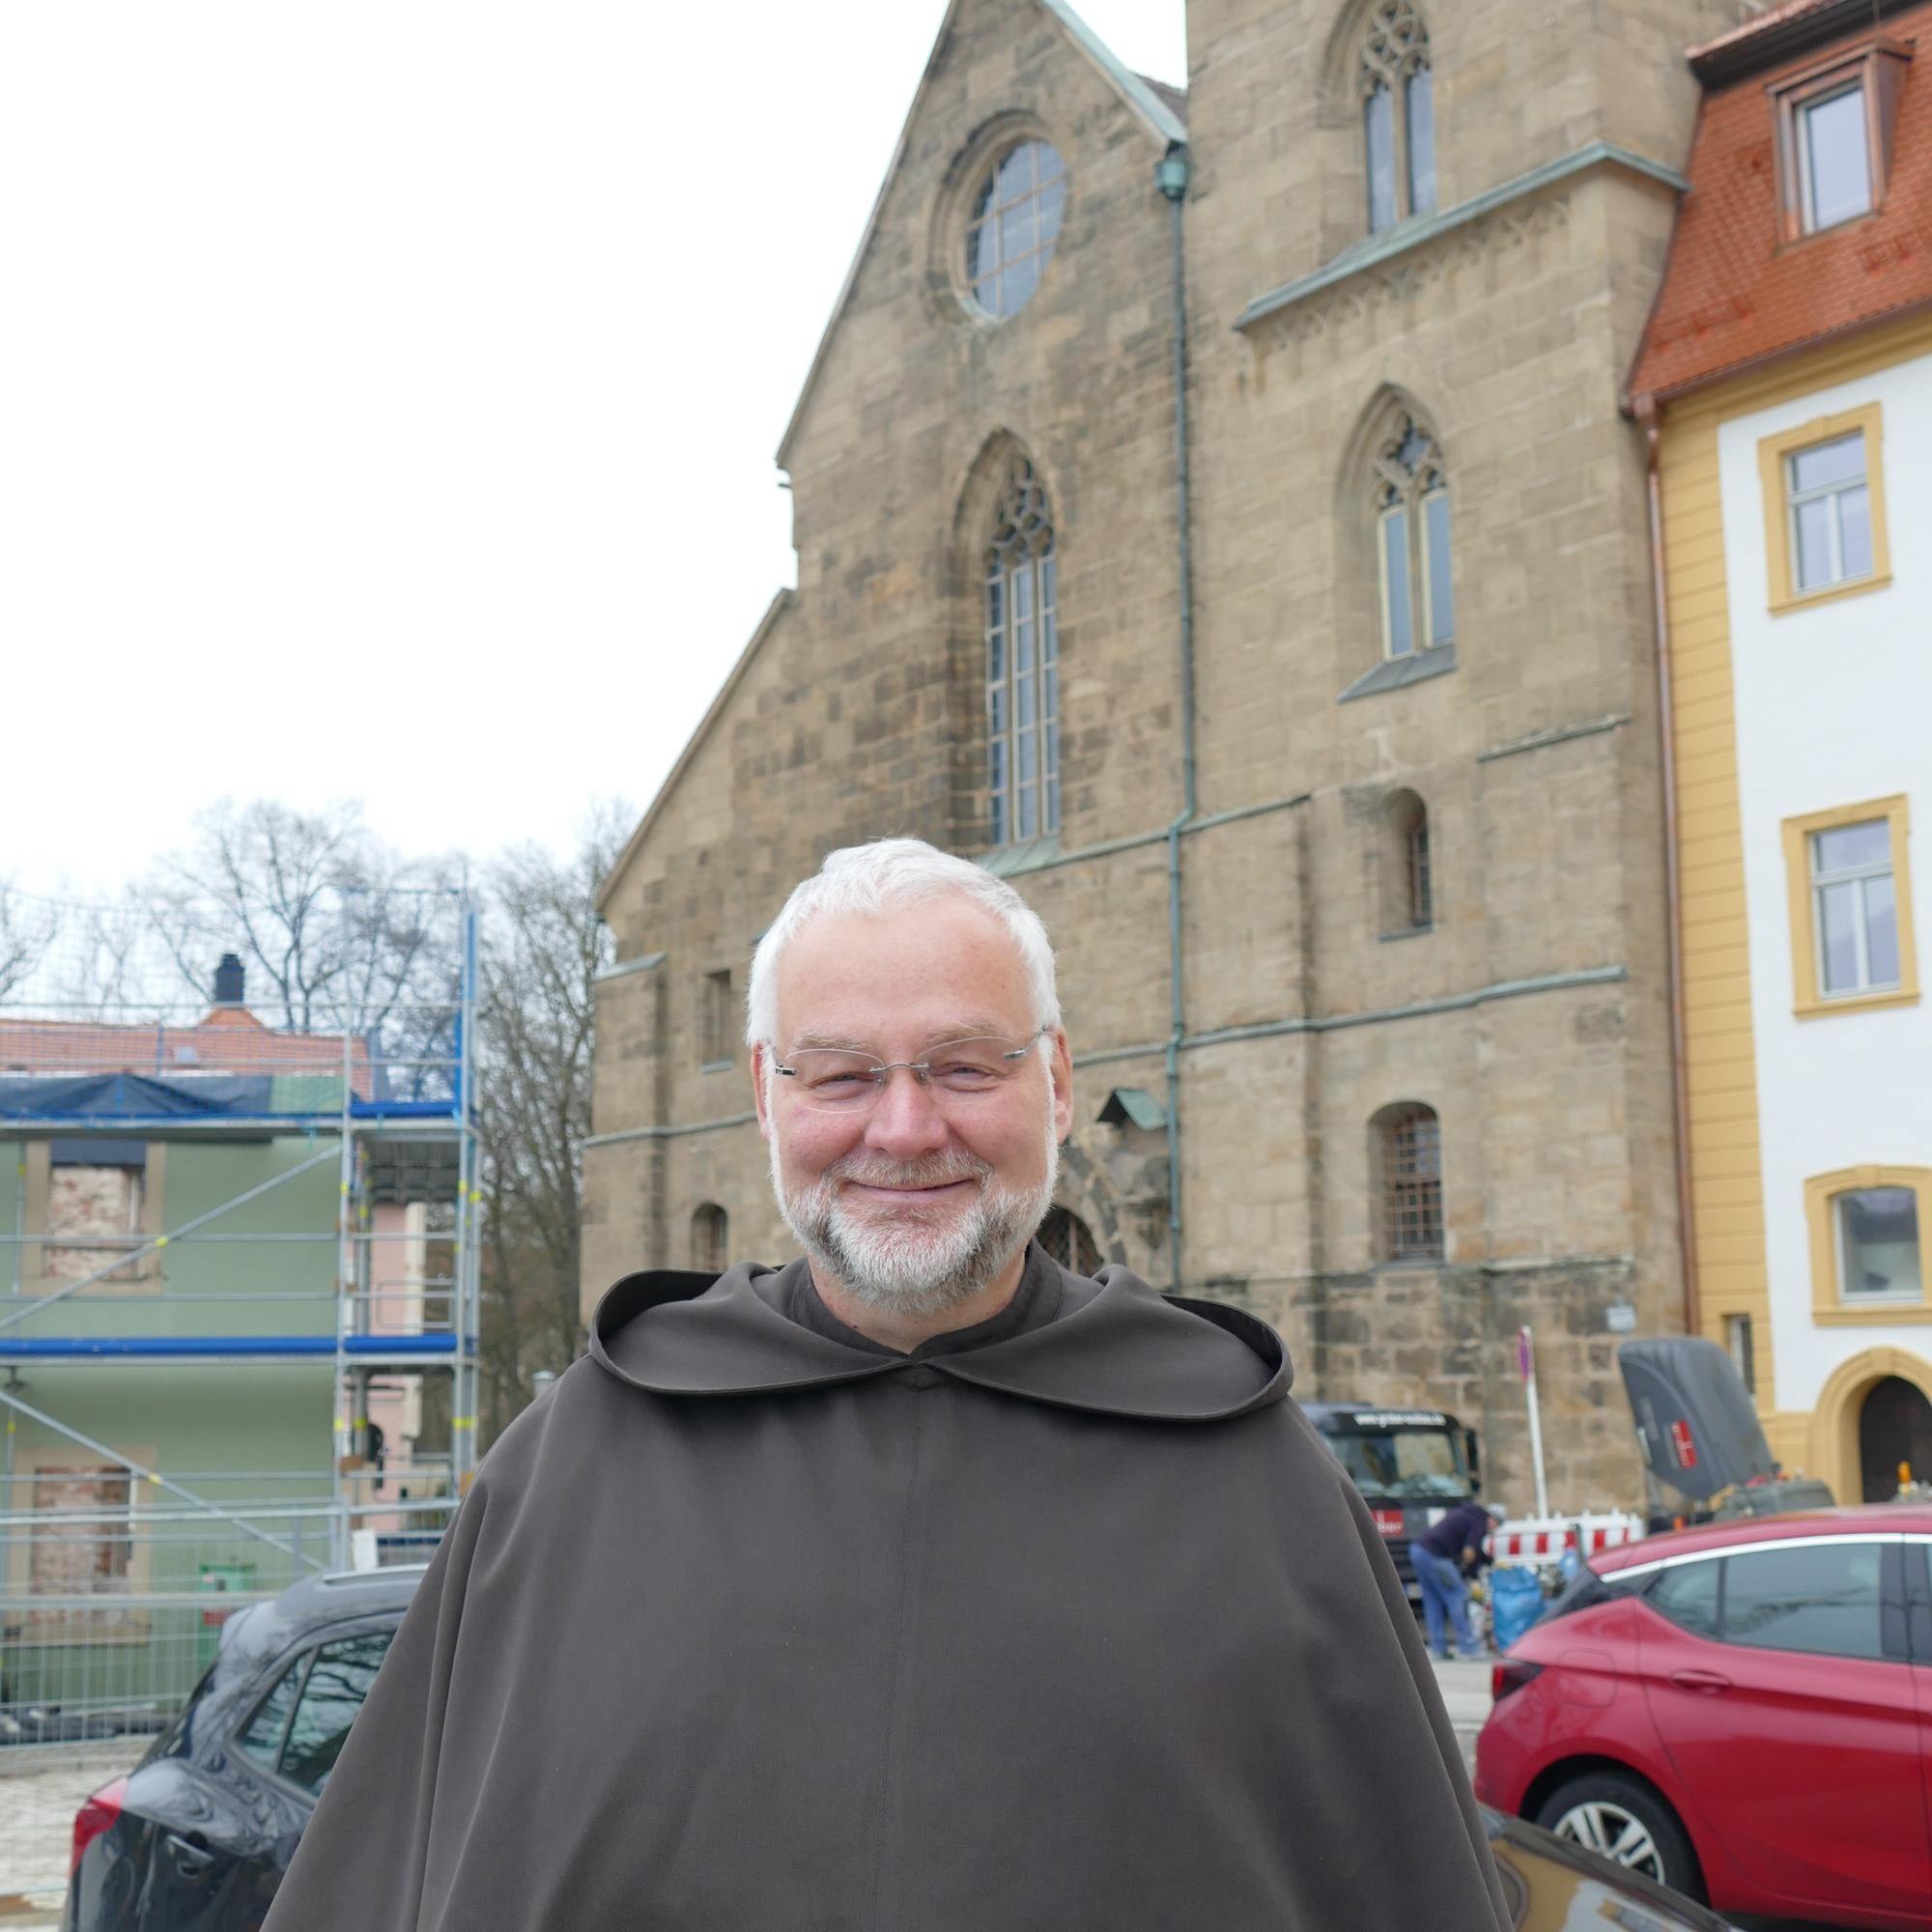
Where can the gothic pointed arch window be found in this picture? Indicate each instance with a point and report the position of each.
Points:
(1398, 93)
(1411, 509)
(1022, 626)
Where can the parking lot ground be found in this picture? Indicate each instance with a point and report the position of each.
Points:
(1465, 1693)
(40, 1789)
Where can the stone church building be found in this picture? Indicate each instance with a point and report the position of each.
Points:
(1215, 513)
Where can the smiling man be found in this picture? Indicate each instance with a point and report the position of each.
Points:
(913, 1182)
(917, 1585)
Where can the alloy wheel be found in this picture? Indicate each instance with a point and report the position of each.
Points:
(1614, 1833)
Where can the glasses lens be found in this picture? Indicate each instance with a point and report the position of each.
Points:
(831, 1077)
(972, 1066)
(835, 1077)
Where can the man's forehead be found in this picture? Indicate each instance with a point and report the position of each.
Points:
(942, 965)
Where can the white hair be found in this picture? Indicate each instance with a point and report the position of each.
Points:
(888, 875)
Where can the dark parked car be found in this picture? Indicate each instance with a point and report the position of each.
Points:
(1551, 1886)
(197, 1836)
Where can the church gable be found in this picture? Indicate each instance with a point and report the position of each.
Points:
(1003, 76)
(868, 682)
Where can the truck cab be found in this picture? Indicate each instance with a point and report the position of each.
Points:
(1410, 1466)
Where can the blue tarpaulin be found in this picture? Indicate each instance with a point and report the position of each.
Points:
(92, 1096)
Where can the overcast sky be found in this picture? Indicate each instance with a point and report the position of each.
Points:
(377, 379)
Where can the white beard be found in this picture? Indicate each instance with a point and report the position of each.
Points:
(921, 1260)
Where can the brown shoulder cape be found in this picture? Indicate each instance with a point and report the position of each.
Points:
(743, 1627)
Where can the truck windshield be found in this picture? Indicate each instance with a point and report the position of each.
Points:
(1403, 1462)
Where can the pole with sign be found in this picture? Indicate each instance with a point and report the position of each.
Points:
(1525, 1361)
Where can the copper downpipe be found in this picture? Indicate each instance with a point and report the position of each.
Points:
(1646, 415)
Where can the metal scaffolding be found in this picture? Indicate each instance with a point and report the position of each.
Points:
(215, 1138)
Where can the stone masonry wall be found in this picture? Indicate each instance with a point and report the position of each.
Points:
(1531, 1015)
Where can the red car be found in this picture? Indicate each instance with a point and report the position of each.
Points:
(1742, 1710)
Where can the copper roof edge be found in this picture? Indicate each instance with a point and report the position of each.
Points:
(1789, 32)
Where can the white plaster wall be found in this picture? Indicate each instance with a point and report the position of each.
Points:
(1833, 707)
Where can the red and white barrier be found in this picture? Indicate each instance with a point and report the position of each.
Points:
(1541, 1540)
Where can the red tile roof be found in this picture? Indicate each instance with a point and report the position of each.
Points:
(228, 1040)
(1733, 294)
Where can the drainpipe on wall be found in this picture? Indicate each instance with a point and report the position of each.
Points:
(1171, 176)
(1645, 408)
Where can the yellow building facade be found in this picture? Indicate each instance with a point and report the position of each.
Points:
(1784, 384)
(1733, 1230)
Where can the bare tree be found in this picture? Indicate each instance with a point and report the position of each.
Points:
(337, 931)
(543, 948)
(334, 928)
(26, 932)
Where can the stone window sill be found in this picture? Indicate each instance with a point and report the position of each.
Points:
(1022, 856)
(1393, 674)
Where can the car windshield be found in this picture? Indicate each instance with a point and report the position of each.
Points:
(1416, 1462)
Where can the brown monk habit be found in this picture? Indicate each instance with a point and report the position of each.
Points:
(1065, 1622)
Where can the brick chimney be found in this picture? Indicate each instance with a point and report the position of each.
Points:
(228, 980)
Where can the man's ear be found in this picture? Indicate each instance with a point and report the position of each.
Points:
(761, 1086)
(1061, 1066)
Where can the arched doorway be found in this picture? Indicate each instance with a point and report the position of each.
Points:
(1068, 1240)
(1894, 1427)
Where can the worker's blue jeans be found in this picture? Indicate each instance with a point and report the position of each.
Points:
(1445, 1597)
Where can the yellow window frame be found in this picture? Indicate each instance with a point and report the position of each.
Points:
(1829, 1306)
(1810, 1000)
(1774, 455)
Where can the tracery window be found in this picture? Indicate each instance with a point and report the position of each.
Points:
(1022, 663)
(1398, 114)
(1412, 541)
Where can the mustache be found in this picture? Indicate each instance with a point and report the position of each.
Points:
(936, 1170)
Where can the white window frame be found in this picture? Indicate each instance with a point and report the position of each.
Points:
(1796, 499)
(1390, 649)
(1807, 185)
(1855, 875)
(1418, 557)
(1842, 1240)
(1426, 558)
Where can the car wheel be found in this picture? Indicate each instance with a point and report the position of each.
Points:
(1625, 1821)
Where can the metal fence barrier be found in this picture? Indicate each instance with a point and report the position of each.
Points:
(108, 1616)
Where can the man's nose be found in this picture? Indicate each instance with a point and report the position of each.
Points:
(904, 1120)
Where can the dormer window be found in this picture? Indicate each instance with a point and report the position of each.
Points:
(1833, 158)
(1834, 127)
